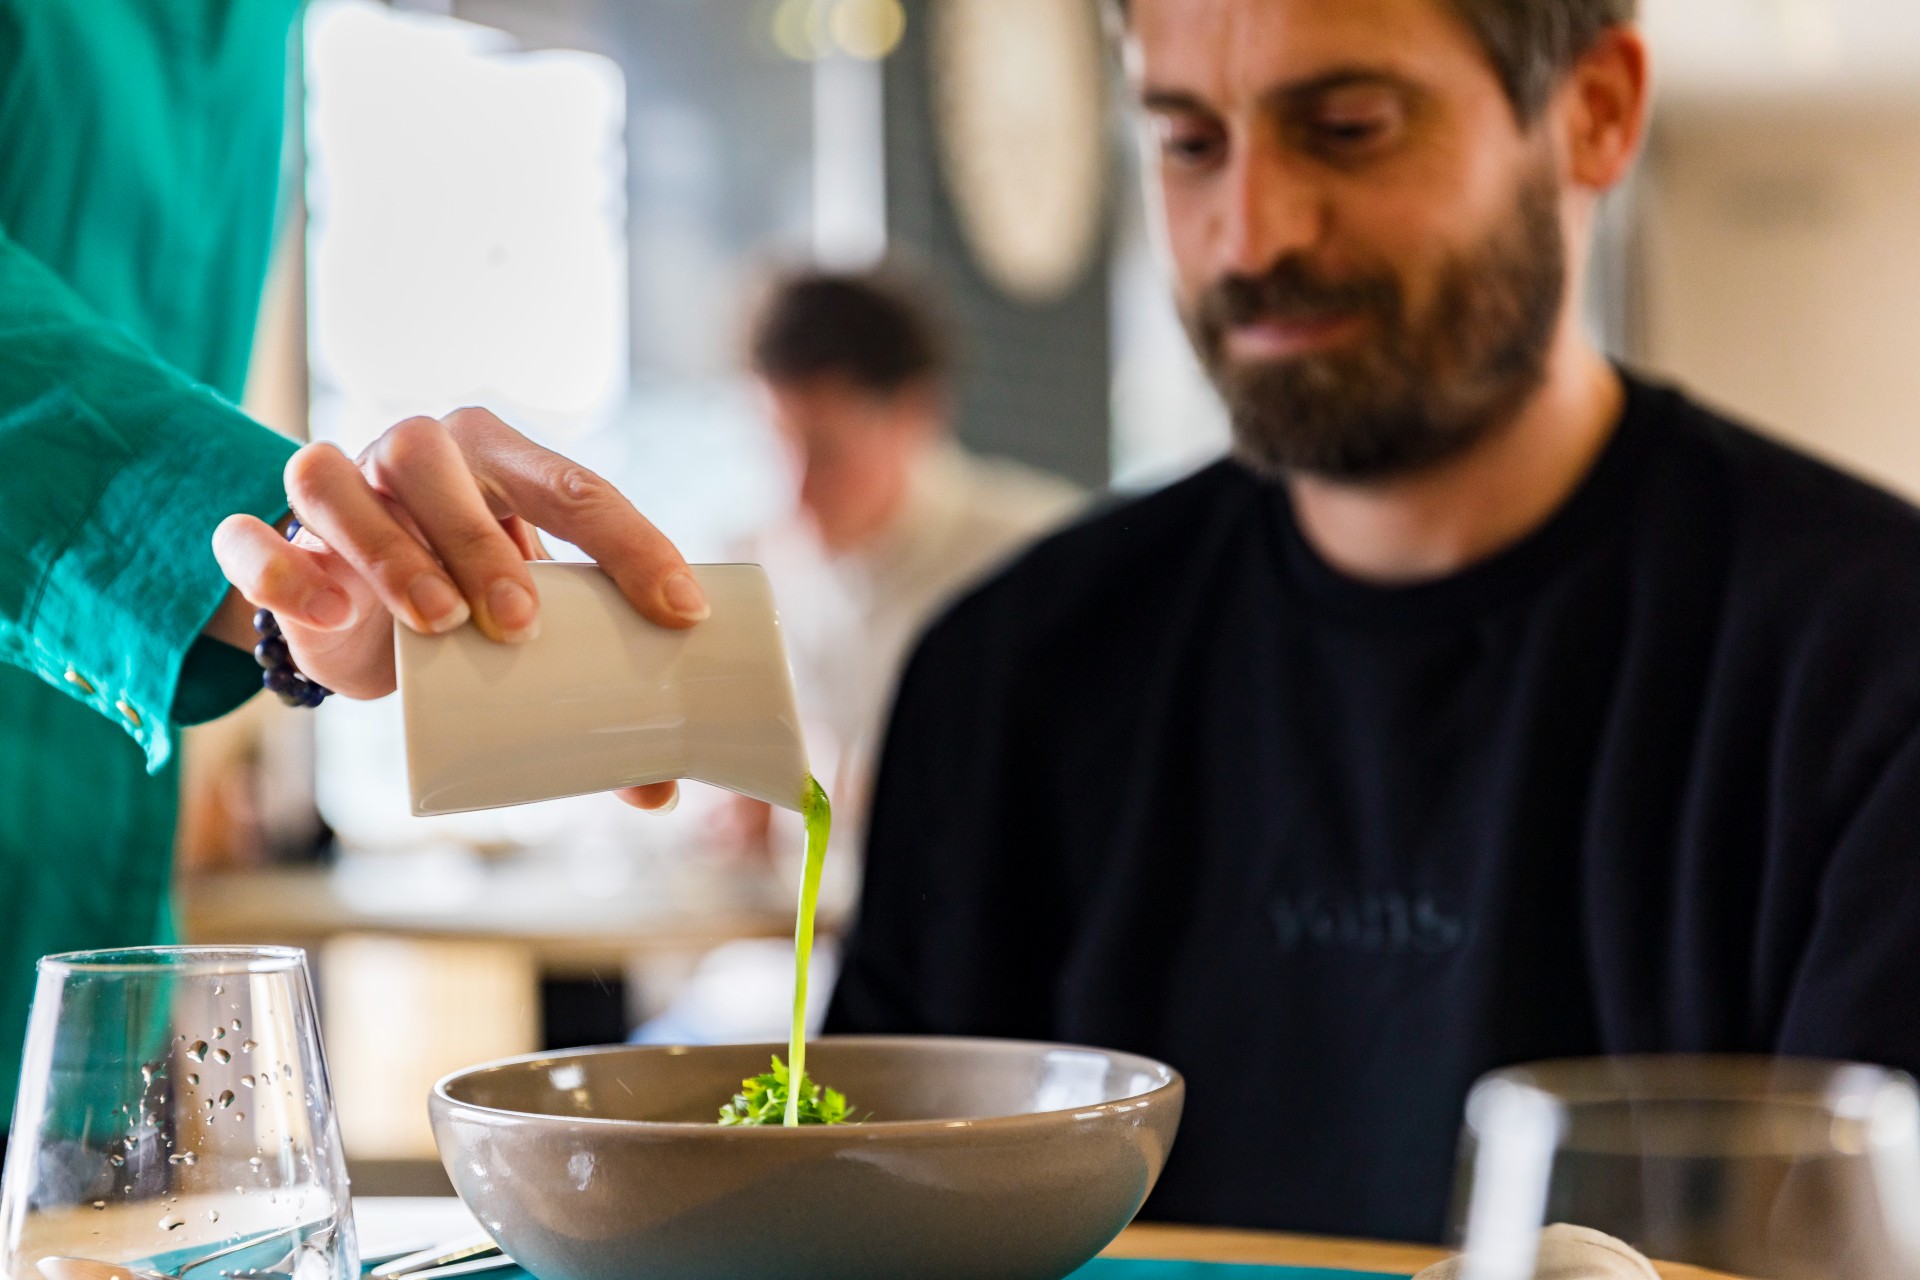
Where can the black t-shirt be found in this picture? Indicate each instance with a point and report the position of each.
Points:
(1648, 781)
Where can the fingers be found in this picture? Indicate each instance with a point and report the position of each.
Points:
(527, 538)
(656, 797)
(572, 502)
(273, 575)
(336, 502)
(419, 467)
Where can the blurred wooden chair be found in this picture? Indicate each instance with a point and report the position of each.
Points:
(399, 1013)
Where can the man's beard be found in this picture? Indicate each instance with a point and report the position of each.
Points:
(1413, 390)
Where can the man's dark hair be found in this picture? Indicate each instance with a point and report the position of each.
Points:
(1534, 43)
(874, 328)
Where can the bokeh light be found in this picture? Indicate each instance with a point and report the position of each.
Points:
(869, 29)
(809, 30)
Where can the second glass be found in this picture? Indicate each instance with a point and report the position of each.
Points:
(174, 1113)
(1756, 1167)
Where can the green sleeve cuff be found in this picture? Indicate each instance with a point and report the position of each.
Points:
(125, 603)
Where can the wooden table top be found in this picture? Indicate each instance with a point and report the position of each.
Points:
(384, 1220)
(1217, 1244)
(1268, 1248)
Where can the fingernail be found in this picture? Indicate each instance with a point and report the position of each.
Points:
(328, 608)
(684, 596)
(673, 802)
(437, 603)
(513, 611)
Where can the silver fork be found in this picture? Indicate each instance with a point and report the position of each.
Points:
(473, 1266)
(445, 1261)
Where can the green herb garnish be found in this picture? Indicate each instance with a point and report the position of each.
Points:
(763, 1100)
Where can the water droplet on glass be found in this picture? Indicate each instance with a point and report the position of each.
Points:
(172, 1222)
(197, 1051)
(219, 1033)
(226, 1097)
(193, 1077)
(116, 1161)
(239, 1115)
(207, 1104)
(248, 1046)
(218, 988)
(247, 1081)
(222, 1057)
(213, 1215)
(235, 1024)
(99, 1204)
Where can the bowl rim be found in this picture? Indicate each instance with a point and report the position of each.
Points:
(1172, 1087)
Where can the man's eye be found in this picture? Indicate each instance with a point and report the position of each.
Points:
(1357, 131)
(1350, 132)
(1189, 146)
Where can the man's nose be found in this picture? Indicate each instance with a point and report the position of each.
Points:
(1272, 211)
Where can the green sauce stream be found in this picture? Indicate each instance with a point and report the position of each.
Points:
(819, 820)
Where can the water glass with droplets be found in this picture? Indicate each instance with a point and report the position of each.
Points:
(174, 1119)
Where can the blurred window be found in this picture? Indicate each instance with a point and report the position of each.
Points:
(466, 233)
(471, 204)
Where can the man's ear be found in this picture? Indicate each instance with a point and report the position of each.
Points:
(1603, 108)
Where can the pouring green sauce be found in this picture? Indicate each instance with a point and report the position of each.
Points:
(785, 1095)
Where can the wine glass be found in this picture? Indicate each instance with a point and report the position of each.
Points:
(1781, 1169)
(174, 1112)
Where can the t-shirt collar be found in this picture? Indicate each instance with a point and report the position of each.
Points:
(1582, 522)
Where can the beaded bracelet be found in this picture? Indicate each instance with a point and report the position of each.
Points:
(278, 672)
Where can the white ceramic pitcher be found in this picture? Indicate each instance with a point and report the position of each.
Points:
(604, 699)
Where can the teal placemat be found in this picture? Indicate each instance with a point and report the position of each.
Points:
(1143, 1269)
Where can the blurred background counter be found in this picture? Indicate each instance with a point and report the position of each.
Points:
(432, 960)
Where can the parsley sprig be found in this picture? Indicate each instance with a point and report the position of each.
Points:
(763, 1100)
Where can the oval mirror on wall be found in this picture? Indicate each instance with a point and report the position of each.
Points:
(1019, 103)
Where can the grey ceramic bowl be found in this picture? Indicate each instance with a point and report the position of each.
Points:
(983, 1160)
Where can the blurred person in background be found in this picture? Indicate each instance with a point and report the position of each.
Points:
(139, 166)
(893, 519)
(1491, 704)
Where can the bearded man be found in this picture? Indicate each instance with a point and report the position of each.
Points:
(1489, 705)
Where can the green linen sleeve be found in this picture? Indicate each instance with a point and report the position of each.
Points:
(114, 471)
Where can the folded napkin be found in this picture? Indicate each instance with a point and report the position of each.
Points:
(1570, 1253)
